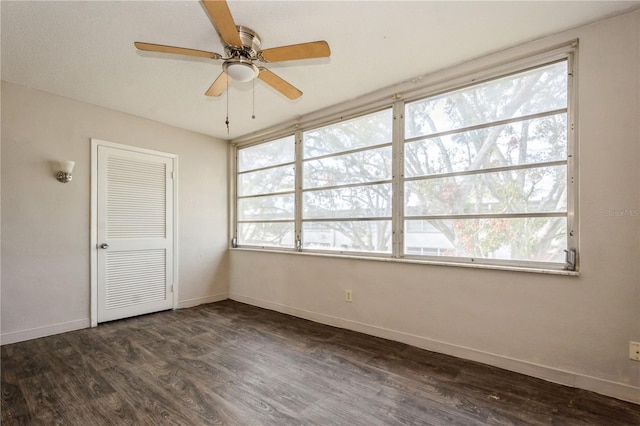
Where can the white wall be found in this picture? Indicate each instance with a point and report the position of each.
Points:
(572, 330)
(45, 224)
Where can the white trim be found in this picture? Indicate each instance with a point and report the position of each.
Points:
(190, 303)
(49, 330)
(551, 374)
(397, 181)
(573, 163)
(176, 246)
(93, 271)
(297, 198)
(232, 180)
(411, 260)
(95, 143)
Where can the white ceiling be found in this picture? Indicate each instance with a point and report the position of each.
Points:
(84, 50)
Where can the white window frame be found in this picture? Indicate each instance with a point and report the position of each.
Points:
(569, 165)
(390, 181)
(504, 68)
(235, 170)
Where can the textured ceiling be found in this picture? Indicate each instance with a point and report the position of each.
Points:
(84, 50)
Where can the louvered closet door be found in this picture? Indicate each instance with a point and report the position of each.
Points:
(135, 231)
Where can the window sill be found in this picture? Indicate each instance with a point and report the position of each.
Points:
(415, 261)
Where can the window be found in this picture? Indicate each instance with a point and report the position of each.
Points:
(346, 185)
(486, 168)
(481, 174)
(266, 194)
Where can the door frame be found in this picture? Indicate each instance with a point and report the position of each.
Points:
(93, 246)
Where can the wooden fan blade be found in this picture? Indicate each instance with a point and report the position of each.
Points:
(279, 84)
(220, 85)
(220, 14)
(314, 49)
(150, 47)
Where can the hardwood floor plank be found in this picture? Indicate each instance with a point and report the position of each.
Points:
(14, 406)
(115, 410)
(153, 404)
(253, 407)
(233, 364)
(93, 348)
(42, 400)
(23, 365)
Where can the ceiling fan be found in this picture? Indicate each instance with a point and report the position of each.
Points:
(242, 49)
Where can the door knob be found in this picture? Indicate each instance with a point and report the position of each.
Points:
(104, 246)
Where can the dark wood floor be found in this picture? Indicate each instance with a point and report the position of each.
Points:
(230, 363)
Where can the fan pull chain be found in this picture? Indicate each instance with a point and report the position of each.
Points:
(227, 120)
(253, 109)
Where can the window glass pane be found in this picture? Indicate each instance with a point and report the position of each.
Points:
(536, 190)
(359, 167)
(523, 142)
(354, 202)
(368, 130)
(362, 236)
(267, 154)
(271, 207)
(524, 239)
(534, 91)
(277, 179)
(266, 234)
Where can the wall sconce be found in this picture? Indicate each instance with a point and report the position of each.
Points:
(66, 167)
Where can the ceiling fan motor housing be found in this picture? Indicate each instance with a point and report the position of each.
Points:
(250, 44)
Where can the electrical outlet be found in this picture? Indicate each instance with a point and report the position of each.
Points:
(348, 296)
(634, 351)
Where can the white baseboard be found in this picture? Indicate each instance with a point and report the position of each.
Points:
(594, 384)
(190, 303)
(49, 330)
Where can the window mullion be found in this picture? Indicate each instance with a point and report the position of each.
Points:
(269, 167)
(397, 173)
(489, 124)
(572, 169)
(298, 190)
(233, 189)
(489, 170)
(348, 185)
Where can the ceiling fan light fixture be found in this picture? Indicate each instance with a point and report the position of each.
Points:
(240, 70)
